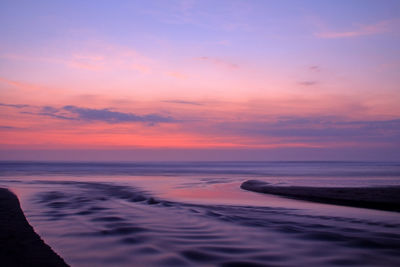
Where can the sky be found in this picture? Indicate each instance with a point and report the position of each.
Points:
(200, 80)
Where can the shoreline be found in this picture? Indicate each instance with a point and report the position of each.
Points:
(380, 198)
(19, 244)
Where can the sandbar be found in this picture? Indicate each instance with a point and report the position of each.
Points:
(381, 198)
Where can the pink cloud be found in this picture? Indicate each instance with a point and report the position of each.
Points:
(177, 75)
(94, 57)
(218, 62)
(20, 85)
(363, 30)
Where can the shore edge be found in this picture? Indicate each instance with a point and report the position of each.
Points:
(380, 198)
(19, 244)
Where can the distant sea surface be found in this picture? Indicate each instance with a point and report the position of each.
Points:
(194, 213)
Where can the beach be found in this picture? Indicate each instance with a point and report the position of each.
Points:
(382, 198)
(196, 214)
(227, 133)
(19, 244)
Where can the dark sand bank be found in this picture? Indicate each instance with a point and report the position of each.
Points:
(19, 244)
(382, 198)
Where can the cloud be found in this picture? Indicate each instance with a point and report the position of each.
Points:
(184, 102)
(106, 115)
(308, 83)
(71, 112)
(14, 105)
(50, 112)
(91, 56)
(218, 62)
(177, 75)
(6, 127)
(20, 85)
(315, 68)
(363, 30)
(316, 129)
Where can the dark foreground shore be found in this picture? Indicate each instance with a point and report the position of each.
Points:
(382, 198)
(19, 244)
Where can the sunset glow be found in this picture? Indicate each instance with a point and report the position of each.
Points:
(201, 75)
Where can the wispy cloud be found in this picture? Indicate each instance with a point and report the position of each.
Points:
(106, 115)
(75, 113)
(14, 105)
(218, 62)
(6, 127)
(363, 30)
(232, 17)
(184, 102)
(20, 85)
(246, 129)
(315, 68)
(92, 56)
(177, 75)
(308, 83)
(316, 129)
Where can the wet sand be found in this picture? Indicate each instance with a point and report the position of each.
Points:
(382, 198)
(19, 244)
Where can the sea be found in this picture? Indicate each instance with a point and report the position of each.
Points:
(196, 214)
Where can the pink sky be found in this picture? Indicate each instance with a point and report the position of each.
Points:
(239, 76)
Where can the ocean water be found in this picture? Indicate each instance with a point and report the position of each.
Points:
(195, 214)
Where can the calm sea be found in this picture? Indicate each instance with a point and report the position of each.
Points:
(195, 214)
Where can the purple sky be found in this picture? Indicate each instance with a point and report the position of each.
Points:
(200, 80)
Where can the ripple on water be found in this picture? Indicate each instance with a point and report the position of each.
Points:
(121, 225)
